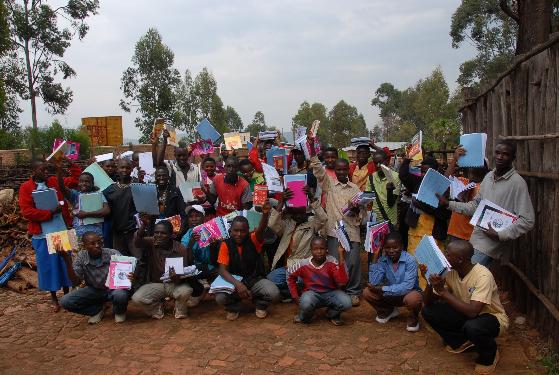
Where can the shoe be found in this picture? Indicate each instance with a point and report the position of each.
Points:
(412, 324)
(337, 321)
(159, 314)
(193, 301)
(287, 300)
(180, 315)
(484, 370)
(97, 317)
(232, 315)
(120, 318)
(461, 349)
(261, 314)
(297, 319)
(393, 314)
(355, 300)
(414, 328)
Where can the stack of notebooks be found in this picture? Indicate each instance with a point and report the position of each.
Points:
(119, 268)
(221, 286)
(360, 141)
(429, 254)
(362, 198)
(474, 144)
(216, 228)
(183, 272)
(267, 135)
(342, 235)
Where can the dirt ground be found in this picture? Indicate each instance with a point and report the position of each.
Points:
(35, 340)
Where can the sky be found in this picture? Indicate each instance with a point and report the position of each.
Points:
(267, 55)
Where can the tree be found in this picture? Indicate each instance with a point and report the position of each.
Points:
(42, 42)
(234, 121)
(344, 123)
(184, 116)
(205, 89)
(218, 116)
(41, 139)
(376, 134)
(258, 124)
(150, 83)
(307, 114)
(5, 45)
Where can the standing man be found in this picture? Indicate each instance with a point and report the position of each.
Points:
(506, 188)
(386, 192)
(180, 169)
(338, 194)
(360, 171)
(233, 192)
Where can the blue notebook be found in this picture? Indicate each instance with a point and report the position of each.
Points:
(89, 203)
(220, 285)
(433, 182)
(145, 198)
(474, 144)
(272, 156)
(100, 178)
(207, 131)
(47, 200)
(428, 253)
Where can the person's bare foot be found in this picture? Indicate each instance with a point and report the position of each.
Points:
(55, 307)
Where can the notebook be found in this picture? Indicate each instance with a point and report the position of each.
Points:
(145, 198)
(301, 144)
(190, 190)
(375, 235)
(342, 236)
(253, 218)
(176, 263)
(207, 130)
(272, 177)
(387, 173)
(414, 151)
(267, 135)
(457, 187)
(48, 200)
(232, 141)
(172, 139)
(362, 198)
(314, 128)
(175, 221)
(65, 238)
(296, 183)
(202, 147)
(118, 275)
(216, 228)
(428, 253)
(488, 212)
(221, 286)
(433, 182)
(89, 203)
(100, 177)
(474, 144)
(260, 195)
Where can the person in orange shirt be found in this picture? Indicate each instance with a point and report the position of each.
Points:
(459, 227)
(241, 255)
(360, 170)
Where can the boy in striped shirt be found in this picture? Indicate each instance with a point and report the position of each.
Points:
(323, 277)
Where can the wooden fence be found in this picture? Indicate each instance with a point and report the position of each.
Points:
(523, 106)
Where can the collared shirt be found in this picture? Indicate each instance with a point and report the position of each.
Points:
(177, 174)
(509, 191)
(298, 237)
(360, 176)
(338, 196)
(399, 282)
(382, 194)
(93, 271)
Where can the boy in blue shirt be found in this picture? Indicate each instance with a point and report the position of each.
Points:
(393, 282)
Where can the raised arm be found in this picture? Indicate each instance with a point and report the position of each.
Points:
(266, 208)
(161, 155)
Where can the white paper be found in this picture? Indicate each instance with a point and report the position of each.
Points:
(457, 187)
(272, 178)
(489, 212)
(104, 157)
(120, 279)
(126, 155)
(145, 160)
(176, 263)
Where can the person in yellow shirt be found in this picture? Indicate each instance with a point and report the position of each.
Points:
(467, 313)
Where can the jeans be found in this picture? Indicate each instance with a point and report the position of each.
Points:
(279, 277)
(89, 300)
(263, 293)
(481, 258)
(353, 263)
(456, 328)
(150, 296)
(335, 301)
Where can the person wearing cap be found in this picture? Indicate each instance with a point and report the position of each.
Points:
(421, 218)
(362, 168)
(202, 256)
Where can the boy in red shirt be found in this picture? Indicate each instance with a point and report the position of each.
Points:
(322, 279)
(241, 255)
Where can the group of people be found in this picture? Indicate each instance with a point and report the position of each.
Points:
(293, 254)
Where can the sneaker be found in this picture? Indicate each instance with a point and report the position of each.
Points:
(355, 300)
(414, 328)
(232, 315)
(193, 301)
(120, 318)
(489, 369)
(337, 321)
(393, 314)
(297, 319)
(97, 317)
(261, 314)
(159, 314)
(412, 324)
(180, 315)
(461, 349)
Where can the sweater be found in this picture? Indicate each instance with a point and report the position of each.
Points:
(324, 278)
(510, 192)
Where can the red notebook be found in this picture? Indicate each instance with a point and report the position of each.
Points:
(260, 195)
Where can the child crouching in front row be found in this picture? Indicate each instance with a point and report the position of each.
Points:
(393, 283)
(323, 277)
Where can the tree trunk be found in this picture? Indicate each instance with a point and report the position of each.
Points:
(30, 74)
(534, 23)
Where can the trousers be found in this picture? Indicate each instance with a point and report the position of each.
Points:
(264, 293)
(335, 301)
(353, 263)
(89, 300)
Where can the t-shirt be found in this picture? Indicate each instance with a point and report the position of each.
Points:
(479, 285)
(223, 255)
(178, 175)
(231, 196)
(122, 208)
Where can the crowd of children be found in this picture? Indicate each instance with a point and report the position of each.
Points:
(293, 253)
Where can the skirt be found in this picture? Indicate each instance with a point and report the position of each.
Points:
(50, 267)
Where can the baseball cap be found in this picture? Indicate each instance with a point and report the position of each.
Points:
(196, 207)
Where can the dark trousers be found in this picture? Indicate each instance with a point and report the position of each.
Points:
(89, 301)
(456, 328)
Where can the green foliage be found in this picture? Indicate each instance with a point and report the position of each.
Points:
(234, 121)
(10, 140)
(150, 83)
(258, 124)
(551, 363)
(344, 122)
(218, 116)
(38, 37)
(376, 134)
(427, 106)
(40, 140)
